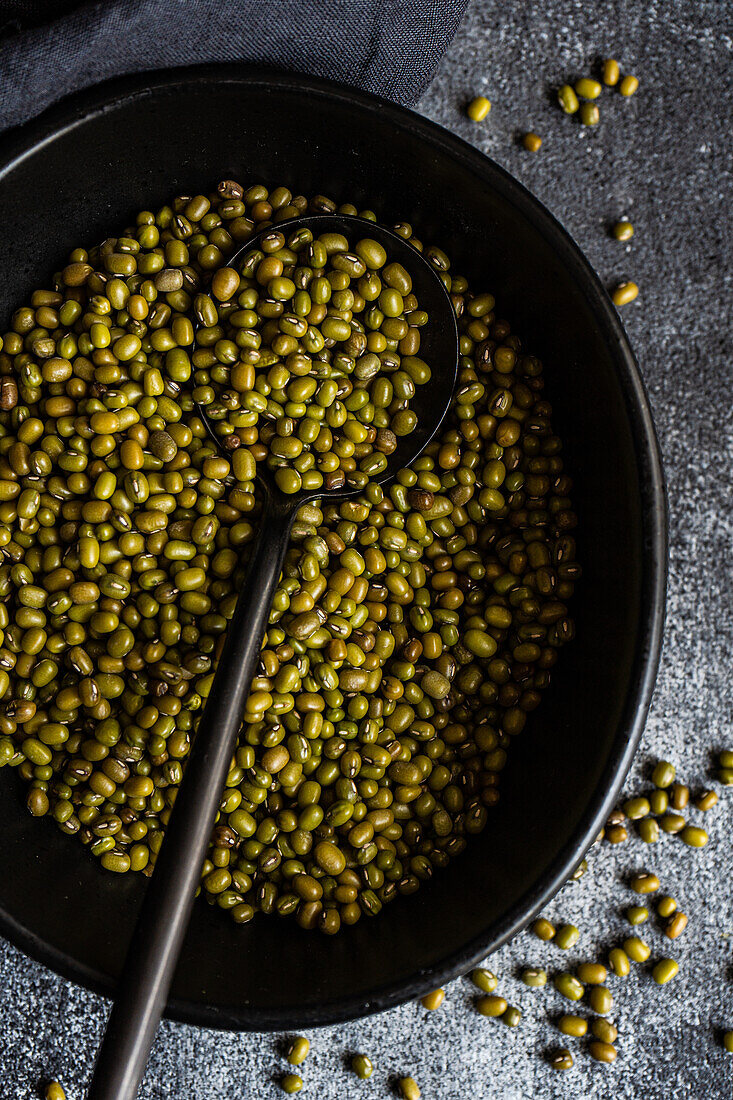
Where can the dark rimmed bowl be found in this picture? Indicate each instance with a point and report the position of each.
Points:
(81, 170)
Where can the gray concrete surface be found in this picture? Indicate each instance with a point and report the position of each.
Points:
(664, 159)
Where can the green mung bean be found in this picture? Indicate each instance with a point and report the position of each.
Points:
(623, 230)
(561, 1059)
(600, 999)
(566, 936)
(569, 986)
(694, 836)
(646, 883)
(577, 1026)
(587, 88)
(592, 973)
(601, 1051)
(484, 980)
(665, 970)
(664, 774)
(604, 1029)
(706, 800)
(618, 961)
(433, 1000)
(649, 830)
(362, 1066)
(636, 808)
(408, 1089)
(611, 72)
(491, 1005)
(675, 925)
(679, 796)
(589, 114)
(666, 906)
(298, 1050)
(478, 108)
(672, 823)
(637, 914)
(567, 99)
(637, 949)
(543, 929)
(534, 977)
(658, 801)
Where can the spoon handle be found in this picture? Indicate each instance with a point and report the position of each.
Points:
(161, 926)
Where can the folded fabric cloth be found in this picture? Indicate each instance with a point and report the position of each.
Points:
(49, 48)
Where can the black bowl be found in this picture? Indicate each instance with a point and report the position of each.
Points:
(81, 170)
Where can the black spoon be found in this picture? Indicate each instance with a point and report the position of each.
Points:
(161, 926)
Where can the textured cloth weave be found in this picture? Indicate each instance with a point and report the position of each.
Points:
(49, 48)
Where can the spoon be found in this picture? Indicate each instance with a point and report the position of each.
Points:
(161, 926)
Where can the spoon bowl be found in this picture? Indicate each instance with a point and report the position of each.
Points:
(439, 343)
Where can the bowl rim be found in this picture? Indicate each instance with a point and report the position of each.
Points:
(76, 109)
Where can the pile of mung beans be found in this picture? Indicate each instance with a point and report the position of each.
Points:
(588, 982)
(413, 630)
(660, 811)
(580, 98)
(314, 392)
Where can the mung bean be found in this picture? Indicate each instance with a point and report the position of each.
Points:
(362, 1066)
(478, 108)
(665, 970)
(625, 293)
(433, 1000)
(561, 1059)
(298, 1050)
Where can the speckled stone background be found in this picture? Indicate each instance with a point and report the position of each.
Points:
(663, 158)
